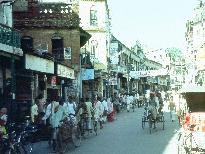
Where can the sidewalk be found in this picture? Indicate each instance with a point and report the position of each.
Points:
(41, 148)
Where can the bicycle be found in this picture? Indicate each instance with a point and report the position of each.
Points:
(84, 122)
(67, 132)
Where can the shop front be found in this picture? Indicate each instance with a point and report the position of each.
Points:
(68, 85)
(9, 63)
(34, 78)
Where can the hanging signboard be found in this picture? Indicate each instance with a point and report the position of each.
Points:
(138, 74)
(67, 53)
(87, 74)
(114, 53)
(39, 64)
(66, 72)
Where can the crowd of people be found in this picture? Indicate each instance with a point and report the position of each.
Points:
(53, 112)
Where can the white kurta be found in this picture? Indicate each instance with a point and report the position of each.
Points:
(98, 110)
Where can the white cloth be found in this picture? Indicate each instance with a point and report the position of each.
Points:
(50, 109)
(110, 106)
(137, 96)
(105, 105)
(56, 117)
(98, 110)
(34, 112)
(129, 99)
(70, 107)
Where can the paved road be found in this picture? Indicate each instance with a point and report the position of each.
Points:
(126, 136)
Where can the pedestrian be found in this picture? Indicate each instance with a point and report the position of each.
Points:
(57, 116)
(98, 111)
(34, 111)
(105, 110)
(172, 109)
(41, 102)
(179, 115)
(111, 111)
(115, 101)
(3, 122)
(89, 110)
(70, 107)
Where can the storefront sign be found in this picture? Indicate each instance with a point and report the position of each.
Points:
(87, 74)
(39, 64)
(64, 71)
(137, 74)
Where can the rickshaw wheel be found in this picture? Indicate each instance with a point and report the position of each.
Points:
(143, 122)
(150, 124)
(76, 137)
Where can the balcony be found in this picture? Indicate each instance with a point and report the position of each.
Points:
(10, 40)
(57, 15)
(9, 36)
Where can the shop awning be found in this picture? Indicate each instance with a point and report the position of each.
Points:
(100, 66)
(192, 89)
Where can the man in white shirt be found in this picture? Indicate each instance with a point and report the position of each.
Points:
(105, 109)
(129, 102)
(70, 107)
(98, 111)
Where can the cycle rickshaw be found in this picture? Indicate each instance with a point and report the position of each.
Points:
(192, 135)
(148, 118)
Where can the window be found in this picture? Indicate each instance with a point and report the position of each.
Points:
(27, 44)
(57, 48)
(93, 16)
(93, 50)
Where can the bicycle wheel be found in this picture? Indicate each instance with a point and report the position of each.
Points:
(61, 144)
(76, 136)
(15, 150)
(143, 122)
(150, 124)
(95, 127)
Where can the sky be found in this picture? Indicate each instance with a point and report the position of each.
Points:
(155, 23)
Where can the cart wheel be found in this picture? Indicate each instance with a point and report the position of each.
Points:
(150, 124)
(143, 122)
(95, 127)
(76, 136)
(181, 146)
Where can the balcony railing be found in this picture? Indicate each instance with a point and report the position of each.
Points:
(47, 15)
(9, 36)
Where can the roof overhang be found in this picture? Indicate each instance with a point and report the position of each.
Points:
(84, 37)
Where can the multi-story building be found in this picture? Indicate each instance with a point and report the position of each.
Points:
(195, 39)
(95, 20)
(51, 41)
(10, 54)
(163, 59)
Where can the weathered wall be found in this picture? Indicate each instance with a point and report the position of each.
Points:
(71, 38)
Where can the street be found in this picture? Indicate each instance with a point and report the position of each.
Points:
(126, 136)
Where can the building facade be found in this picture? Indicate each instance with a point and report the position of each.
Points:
(10, 55)
(51, 40)
(95, 20)
(195, 44)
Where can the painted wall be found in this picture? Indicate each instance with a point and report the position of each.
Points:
(70, 39)
(99, 32)
(6, 14)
